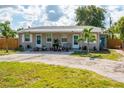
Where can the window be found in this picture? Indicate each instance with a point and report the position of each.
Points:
(49, 37)
(75, 39)
(64, 38)
(38, 39)
(27, 36)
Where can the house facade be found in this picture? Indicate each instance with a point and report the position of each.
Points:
(66, 35)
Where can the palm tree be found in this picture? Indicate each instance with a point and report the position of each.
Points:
(87, 36)
(7, 32)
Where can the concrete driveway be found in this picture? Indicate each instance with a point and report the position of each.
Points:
(108, 68)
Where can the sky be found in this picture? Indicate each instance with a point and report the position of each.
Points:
(57, 15)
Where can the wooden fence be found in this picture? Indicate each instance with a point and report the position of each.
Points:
(12, 43)
(114, 43)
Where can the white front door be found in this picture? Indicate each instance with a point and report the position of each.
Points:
(38, 40)
(75, 41)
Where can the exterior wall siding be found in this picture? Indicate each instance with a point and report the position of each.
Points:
(24, 44)
(55, 36)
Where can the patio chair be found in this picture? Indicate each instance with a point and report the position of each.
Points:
(44, 48)
(21, 48)
(85, 48)
(51, 48)
(36, 49)
(66, 47)
(60, 48)
(28, 47)
(94, 48)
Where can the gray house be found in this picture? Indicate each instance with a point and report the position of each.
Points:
(65, 35)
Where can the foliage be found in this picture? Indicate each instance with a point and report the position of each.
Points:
(7, 32)
(33, 75)
(90, 15)
(113, 31)
(118, 29)
(87, 36)
(21, 28)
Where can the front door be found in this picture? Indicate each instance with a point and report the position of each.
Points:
(75, 41)
(102, 42)
(38, 41)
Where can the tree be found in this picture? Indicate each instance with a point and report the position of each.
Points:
(112, 31)
(118, 29)
(87, 36)
(7, 32)
(21, 28)
(90, 15)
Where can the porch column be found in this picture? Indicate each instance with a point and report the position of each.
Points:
(98, 41)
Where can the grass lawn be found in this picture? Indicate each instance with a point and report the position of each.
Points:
(112, 55)
(15, 74)
(3, 52)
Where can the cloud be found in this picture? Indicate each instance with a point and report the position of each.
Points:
(31, 15)
(115, 12)
(54, 13)
(67, 17)
(5, 16)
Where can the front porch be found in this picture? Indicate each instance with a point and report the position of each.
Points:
(55, 42)
(50, 41)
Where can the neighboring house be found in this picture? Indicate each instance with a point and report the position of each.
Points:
(66, 35)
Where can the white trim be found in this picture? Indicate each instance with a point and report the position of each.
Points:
(61, 29)
(23, 38)
(38, 45)
(64, 36)
(75, 46)
(31, 38)
(51, 39)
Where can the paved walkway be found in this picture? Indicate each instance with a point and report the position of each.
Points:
(120, 51)
(108, 68)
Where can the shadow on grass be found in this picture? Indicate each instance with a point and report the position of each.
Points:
(106, 54)
(93, 54)
(106, 51)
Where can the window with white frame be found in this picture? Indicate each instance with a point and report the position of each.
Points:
(64, 39)
(49, 38)
(27, 36)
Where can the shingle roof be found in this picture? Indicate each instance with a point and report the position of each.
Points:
(60, 29)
